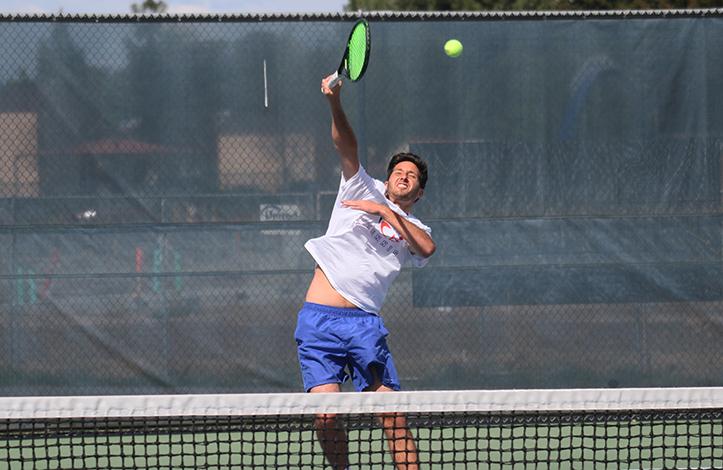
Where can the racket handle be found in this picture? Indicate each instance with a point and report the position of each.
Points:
(335, 80)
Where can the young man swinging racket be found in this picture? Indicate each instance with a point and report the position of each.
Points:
(371, 236)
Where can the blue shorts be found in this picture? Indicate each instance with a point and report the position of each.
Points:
(335, 344)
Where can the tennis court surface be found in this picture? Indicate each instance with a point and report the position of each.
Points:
(552, 429)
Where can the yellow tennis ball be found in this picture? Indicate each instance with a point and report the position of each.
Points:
(453, 48)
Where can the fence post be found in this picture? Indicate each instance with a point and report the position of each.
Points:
(20, 288)
(157, 264)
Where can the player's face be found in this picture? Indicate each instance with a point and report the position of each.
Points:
(403, 184)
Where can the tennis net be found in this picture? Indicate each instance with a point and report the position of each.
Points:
(555, 429)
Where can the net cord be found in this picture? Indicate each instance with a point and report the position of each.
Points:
(357, 403)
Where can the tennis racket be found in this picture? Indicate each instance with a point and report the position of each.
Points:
(356, 56)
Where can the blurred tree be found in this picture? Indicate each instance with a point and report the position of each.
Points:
(148, 92)
(72, 87)
(149, 6)
(72, 110)
(475, 5)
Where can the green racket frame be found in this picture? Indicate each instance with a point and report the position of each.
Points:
(356, 55)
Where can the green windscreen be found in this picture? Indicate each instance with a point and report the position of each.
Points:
(357, 51)
(156, 194)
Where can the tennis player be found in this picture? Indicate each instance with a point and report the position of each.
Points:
(371, 235)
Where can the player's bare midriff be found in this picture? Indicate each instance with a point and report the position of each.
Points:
(321, 292)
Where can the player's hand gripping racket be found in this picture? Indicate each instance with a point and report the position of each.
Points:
(356, 56)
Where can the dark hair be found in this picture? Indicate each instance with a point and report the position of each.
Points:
(409, 157)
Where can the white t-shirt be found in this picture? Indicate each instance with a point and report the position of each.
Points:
(361, 254)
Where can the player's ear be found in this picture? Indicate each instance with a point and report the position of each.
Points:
(419, 194)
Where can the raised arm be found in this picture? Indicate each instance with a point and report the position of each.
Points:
(341, 132)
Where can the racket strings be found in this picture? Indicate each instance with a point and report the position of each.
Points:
(358, 49)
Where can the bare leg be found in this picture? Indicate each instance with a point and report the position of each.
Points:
(331, 433)
(399, 437)
(400, 440)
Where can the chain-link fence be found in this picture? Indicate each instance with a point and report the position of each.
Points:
(160, 175)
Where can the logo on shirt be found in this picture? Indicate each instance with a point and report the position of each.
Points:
(388, 231)
(384, 238)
